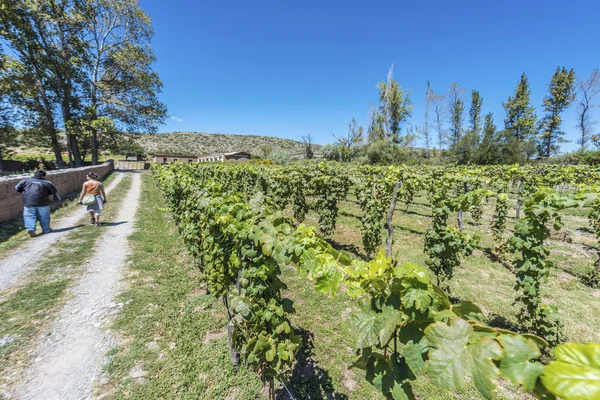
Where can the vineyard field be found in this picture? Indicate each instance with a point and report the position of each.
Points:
(505, 258)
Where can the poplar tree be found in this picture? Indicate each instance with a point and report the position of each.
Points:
(475, 113)
(426, 130)
(589, 88)
(457, 108)
(396, 106)
(468, 143)
(521, 120)
(561, 93)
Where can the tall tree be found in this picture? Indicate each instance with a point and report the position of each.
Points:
(47, 37)
(487, 151)
(120, 86)
(376, 128)
(561, 93)
(589, 88)
(6, 128)
(467, 144)
(439, 115)
(309, 151)
(347, 143)
(475, 113)
(426, 129)
(34, 105)
(457, 108)
(521, 120)
(396, 105)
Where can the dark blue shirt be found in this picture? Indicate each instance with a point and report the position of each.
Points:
(36, 191)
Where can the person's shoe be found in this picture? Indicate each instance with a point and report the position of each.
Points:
(92, 221)
(98, 223)
(31, 233)
(48, 231)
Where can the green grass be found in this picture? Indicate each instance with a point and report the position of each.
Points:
(25, 311)
(169, 326)
(13, 234)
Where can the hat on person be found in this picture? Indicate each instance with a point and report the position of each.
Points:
(40, 173)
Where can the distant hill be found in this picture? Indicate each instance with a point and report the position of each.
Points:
(205, 143)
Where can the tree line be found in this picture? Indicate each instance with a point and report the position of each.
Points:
(82, 67)
(453, 132)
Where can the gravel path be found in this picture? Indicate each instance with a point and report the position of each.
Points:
(24, 259)
(69, 358)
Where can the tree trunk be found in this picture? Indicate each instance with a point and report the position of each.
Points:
(389, 222)
(56, 147)
(271, 389)
(234, 356)
(459, 217)
(519, 202)
(94, 145)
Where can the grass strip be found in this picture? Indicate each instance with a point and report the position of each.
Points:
(169, 327)
(12, 232)
(25, 311)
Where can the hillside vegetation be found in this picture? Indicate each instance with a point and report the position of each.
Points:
(204, 143)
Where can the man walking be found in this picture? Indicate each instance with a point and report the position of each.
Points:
(36, 201)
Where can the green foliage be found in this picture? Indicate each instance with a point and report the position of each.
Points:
(406, 326)
(396, 108)
(521, 119)
(561, 95)
(575, 373)
(532, 265)
(457, 108)
(445, 245)
(499, 224)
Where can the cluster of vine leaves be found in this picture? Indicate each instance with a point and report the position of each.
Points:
(445, 245)
(407, 327)
(590, 195)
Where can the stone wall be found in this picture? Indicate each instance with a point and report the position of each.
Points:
(65, 180)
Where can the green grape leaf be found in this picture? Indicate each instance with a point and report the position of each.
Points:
(457, 356)
(450, 362)
(413, 354)
(386, 322)
(485, 372)
(270, 354)
(516, 364)
(363, 323)
(575, 374)
(328, 283)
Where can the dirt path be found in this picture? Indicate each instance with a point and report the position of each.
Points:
(21, 262)
(69, 358)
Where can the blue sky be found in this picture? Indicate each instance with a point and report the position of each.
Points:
(282, 68)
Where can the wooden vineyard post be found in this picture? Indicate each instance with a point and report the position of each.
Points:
(388, 220)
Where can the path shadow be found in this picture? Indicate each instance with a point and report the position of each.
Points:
(66, 229)
(350, 248)
(112, 223)
(308, 381)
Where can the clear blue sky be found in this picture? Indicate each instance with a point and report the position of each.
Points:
(283, 68)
